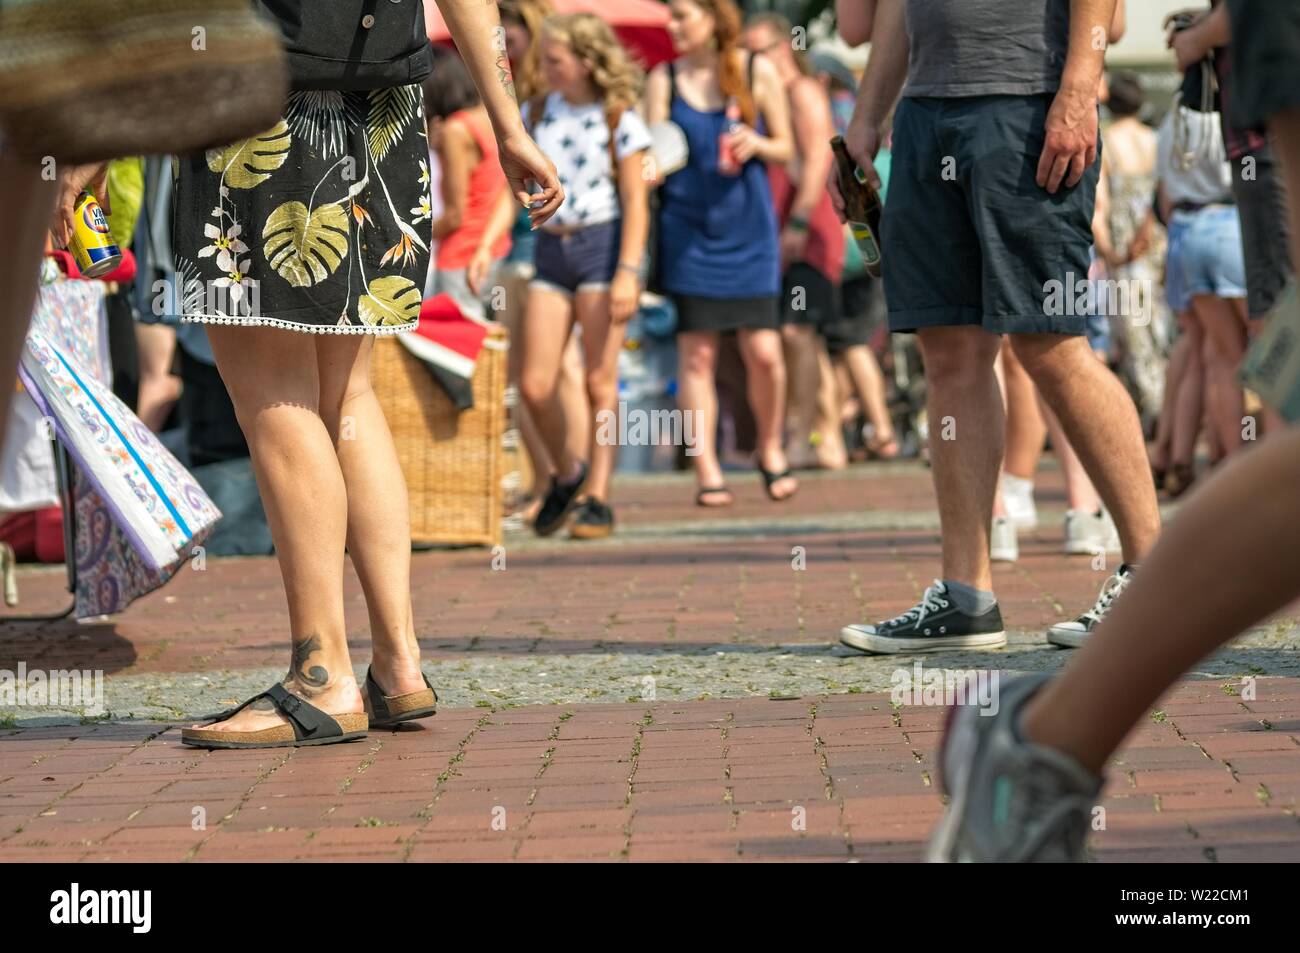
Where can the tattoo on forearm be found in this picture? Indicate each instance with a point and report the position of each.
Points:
(505, 76)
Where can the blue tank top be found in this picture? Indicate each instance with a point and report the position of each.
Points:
(717, 233)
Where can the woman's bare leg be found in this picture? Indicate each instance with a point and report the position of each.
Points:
(1080, 493)
(1026, 428)
(1188, 409)
(1161, 446)
(1223, 348)
(548, 326)
(602, 340)
(869, 384)
(697, 355)
(831, 452)
(274, 384)
(765, 369)
(159, 387)
(378, 511)
(799, 346)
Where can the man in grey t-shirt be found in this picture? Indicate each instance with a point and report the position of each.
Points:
(988, 231)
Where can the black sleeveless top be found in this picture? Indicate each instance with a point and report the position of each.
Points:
(352, 44)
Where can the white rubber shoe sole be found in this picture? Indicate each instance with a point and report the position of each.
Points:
(857, 637)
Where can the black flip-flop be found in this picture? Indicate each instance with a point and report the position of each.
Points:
(711, 491)
(389, 711)
(769, 478)
(307, 725)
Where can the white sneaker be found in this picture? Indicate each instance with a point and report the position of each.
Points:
(1018, 498)
(1071, 635)
(1087, 534)
(1004, 546)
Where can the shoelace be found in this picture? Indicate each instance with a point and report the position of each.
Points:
(931, 601)
(1047, 817)
(1113, 587)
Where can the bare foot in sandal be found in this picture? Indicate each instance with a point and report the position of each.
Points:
(777, 479)
(331, 687)
(397, 674)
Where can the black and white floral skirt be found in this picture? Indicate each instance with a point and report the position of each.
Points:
(321, 224)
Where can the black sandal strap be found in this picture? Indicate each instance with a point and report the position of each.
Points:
(711, 491)
(378, 707)
(306, 719)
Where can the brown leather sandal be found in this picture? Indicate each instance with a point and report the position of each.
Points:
(389, 711)
(307, 725)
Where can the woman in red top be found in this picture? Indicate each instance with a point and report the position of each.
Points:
(461, 136)
(812, 247)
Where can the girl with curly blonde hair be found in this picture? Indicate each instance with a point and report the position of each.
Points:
(589, 257)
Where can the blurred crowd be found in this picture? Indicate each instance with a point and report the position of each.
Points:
(698, 264)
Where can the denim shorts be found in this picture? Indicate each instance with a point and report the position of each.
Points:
(1205, 256)
(584, 260)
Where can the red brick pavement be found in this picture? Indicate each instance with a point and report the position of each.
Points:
(578, 598)
(1215, 779)
(832, 778)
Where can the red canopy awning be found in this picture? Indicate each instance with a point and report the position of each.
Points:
(640, 24)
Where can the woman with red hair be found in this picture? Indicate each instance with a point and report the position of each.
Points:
(718, 255)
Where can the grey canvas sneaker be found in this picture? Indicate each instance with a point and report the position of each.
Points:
(1009, 800)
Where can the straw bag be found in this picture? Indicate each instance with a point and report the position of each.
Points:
(87, 80)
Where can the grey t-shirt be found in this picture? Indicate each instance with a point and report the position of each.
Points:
(986, 47)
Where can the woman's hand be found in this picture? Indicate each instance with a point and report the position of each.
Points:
(745, 142)
(624, 296)
(524, 164)
(476, 272)
(794, 245)
(90, 178)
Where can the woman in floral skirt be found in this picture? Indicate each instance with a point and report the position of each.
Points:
(297, 248)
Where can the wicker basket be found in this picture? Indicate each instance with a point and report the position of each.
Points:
(452, 461)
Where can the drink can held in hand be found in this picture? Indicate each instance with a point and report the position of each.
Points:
(92, 244)
(728, 164)
(862, 206)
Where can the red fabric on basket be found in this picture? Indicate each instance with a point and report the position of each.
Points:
(449, 344)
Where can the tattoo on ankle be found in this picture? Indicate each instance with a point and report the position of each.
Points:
(314, 677)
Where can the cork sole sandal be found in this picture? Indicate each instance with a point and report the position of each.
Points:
(307, 725)
(389, 711)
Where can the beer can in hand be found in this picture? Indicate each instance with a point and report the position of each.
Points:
(92, 244)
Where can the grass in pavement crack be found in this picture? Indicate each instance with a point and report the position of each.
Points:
(426, 812)
(243, 799)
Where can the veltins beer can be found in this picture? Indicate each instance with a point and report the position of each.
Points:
(91, 243)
